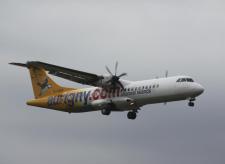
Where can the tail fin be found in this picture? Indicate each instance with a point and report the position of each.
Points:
(42, 84)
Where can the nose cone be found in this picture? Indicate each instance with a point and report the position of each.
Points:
(199, 89)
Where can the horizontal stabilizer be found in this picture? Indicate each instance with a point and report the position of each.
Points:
(19, 64)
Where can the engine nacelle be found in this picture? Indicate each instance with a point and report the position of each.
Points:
(100, 104)
(116, 103)
(124, 103)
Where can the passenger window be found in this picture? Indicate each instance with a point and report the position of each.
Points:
(178, 80)
(153, 86)
(128, 89)
(157, 85)
(146, 87)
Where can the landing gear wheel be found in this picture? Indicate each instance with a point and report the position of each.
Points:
(191, 104)
(131, 115)
(106, 111)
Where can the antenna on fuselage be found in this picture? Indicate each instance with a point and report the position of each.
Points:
(166, 73)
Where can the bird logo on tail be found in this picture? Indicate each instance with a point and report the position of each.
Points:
(44, 86)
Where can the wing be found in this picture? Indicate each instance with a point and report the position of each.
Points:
(66, 73)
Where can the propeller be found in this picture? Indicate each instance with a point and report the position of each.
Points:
(114, 79)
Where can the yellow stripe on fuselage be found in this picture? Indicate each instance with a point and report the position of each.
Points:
(66, 101)
(77, 100)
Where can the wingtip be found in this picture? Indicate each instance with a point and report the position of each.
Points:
(18, 64)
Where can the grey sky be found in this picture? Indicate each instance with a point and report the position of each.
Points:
(146, 37)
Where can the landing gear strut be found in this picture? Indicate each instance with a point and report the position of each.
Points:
(106, 111)
(132, 115)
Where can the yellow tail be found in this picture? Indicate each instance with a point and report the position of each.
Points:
(42, 84)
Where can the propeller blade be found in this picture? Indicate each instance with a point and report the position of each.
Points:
(108, 70)
(120, 84)
(114, 79)
(109, 81)
(116, 67)
(123, 74)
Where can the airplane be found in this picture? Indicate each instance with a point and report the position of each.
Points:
(107, 92)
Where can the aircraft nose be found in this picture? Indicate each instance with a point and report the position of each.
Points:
(199, 89)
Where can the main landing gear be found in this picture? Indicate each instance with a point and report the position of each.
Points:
(106, 111)
(132, 115)
(191, 102)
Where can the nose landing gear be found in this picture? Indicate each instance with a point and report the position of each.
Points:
(191, 102)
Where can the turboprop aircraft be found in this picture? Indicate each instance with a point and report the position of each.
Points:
(108, 93)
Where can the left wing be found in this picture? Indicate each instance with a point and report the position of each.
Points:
(66, 73)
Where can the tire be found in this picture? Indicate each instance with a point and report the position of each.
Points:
(106, 111)
(131, 115)
(191, 104)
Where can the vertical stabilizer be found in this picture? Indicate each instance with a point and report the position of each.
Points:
(42, 84)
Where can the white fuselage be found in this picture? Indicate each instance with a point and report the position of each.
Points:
(140, 93)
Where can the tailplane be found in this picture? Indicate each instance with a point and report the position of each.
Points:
(42, 84)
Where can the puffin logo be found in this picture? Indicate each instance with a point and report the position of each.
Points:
(44, 86)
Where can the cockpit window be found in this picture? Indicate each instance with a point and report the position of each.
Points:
(190, 80)
(185, 80)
